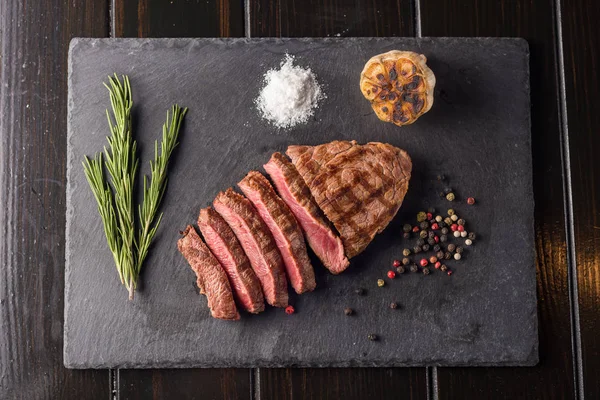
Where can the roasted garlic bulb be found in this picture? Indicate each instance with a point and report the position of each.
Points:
(399, 85)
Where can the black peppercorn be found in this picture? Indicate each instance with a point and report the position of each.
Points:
(348, 311)
(431, 221)
(447, 190)
(420, 242)
(459, 250)
(406, 235)
(451, 247)
(393, 305)
(431, 241)
(437, 247)
(440, 254)
(426, 271)
(445, 231)
(447, 255)
(443, 268)
(417, 249)
(442, 225)
(460, 221)
(400, 269)
(444, 238)
(424, 225)
(472, 235)
(414, 268)
(431, 234)
(407, 228)
(423, 234)
(425, 247)
(405, 261)
(372, 337)
(360, 291)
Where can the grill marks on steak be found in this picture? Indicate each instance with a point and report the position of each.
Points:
(284, 228)
(211, 278)
(257, 242)
(293, 191)
(223, 244)
(359, 187)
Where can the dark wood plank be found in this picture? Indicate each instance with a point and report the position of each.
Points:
(581, 45)
(146, 18)
(341, 18)
(176, 18)
(33, 102)
(533, 19)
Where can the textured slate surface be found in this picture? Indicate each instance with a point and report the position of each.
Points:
(477, 133)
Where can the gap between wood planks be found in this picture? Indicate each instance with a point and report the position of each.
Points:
(568, 206)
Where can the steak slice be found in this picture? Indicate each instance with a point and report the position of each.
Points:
(284, 228)
(222, 242)
(211, 278)
(257, 242)
(359, 187)
(294, 192)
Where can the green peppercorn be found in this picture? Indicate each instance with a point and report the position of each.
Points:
(420, 242)
(450, 196)
(380, 282)
(393, 305)
(451, 212)
(445, 231)
(447, 255)
(414, 268)
(461, 222)
(417, 249)
(448, 221)
(406, 235)
(443, 268)
(472, 235)
(423, 234)
(431, 241)
(400, 269)
(407, 228)
(440, 254)
(425, 247)
(447, 190)
(348, 311)
(406, 252)
(459, 249)
(437, 247)
(372, 337)
(451, 247)
(444, 238)
(421, 216)
(424, 225)
(426, 271)
(405, 261)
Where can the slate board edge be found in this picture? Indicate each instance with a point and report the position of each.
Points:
(181, 42)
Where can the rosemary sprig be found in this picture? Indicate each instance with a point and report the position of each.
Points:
(154, 191)
(115, 201)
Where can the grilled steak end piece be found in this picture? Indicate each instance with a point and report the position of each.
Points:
(257, 242)
(293, 190)
(359, 187)
(284, 228)
(211, 277)
(222, 242)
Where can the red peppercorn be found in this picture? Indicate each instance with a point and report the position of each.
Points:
(471, 201)
(391, 274)
(454, 227)
(396, 263)
(424, 262)
(429, 216)
(438, 265)
(289, 310)
(436, 238)
(416, 229)
(435, 227)
(449, 272)
(461, 228)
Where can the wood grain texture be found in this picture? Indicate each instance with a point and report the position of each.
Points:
(298, 18)
(581, 45)
(147, 18)
(533, 20)
(339, 18)
(33, 102)
(178, 18)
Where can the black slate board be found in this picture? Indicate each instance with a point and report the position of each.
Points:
(477, 133)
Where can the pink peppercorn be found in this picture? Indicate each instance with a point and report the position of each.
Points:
(396, 263)
(461, 228)
(437, 239)
(438, 265)
(471, 201)
(415, 229)
(435, 226)
(391, 274)
(289, 310)
(429, 216)
(454, 227)
(424, 262)
(449, 272)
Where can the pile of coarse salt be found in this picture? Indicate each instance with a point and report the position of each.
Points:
(290, 95)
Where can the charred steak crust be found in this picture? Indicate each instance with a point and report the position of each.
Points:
(211, 278)
(222, 242)
(292, 189)
(284, 228)
(257, 242)
(359, 187)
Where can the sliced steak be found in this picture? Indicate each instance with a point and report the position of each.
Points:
(359, 187)
(284, 228)
(211, 278)
(257, 242)
(294, 192)
(222, 242)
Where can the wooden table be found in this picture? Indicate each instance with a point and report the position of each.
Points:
(565, 47)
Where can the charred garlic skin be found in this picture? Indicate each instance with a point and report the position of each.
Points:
(399, 85)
